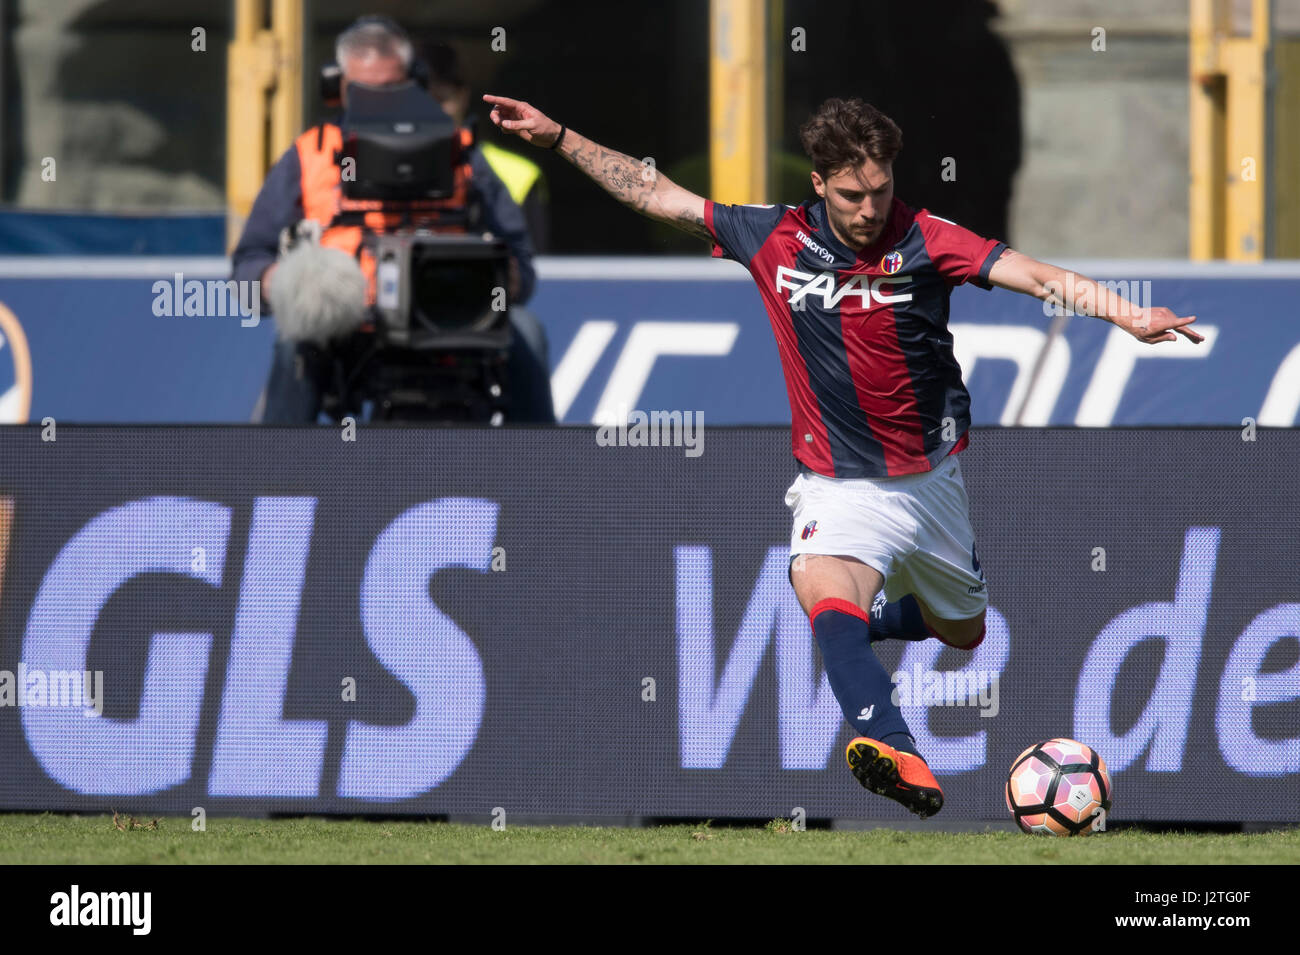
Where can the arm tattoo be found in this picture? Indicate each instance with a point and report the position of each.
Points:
(694, 224)
(621, 176)
(632, 183)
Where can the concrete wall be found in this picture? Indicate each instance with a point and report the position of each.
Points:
(112, 91)
(1104, 170)
(1105, 164)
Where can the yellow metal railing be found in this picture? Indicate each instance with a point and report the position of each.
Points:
(1244, 136)
(263, 99)
(738, 101)
(1286, 150)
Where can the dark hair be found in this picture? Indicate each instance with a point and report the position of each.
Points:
(844, 133)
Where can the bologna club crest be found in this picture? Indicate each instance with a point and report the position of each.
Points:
(892, 262)
(809, 530)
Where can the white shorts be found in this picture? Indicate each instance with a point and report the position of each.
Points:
(915, 530)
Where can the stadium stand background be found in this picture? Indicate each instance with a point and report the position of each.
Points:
(113, 91)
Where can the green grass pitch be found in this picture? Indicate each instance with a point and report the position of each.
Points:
(79, 840)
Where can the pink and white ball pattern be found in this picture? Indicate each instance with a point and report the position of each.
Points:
(1082, 787)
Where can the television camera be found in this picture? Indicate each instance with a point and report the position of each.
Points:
(430, 340)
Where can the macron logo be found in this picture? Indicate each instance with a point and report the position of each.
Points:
(823, 253)
(866, 712)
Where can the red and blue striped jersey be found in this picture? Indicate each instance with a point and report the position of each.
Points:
(874, 388)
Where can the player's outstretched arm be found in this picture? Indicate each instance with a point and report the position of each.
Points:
(1020, 273)
(628, 180)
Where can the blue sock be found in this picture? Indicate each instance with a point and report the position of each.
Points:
(900, 620)
(858, 680)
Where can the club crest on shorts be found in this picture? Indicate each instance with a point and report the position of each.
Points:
(809, 530)
(892, 262)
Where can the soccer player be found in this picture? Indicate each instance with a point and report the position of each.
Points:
(856, 286)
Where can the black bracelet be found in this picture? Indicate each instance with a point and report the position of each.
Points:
(559, 138)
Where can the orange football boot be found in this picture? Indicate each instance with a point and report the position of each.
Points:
(900, 776)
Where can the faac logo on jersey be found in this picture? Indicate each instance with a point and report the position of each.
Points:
(800, 285)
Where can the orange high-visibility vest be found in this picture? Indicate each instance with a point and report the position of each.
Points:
(319, 151)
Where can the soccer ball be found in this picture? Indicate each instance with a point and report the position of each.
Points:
(1059, 788)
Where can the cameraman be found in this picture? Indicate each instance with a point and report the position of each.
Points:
(375, 51)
